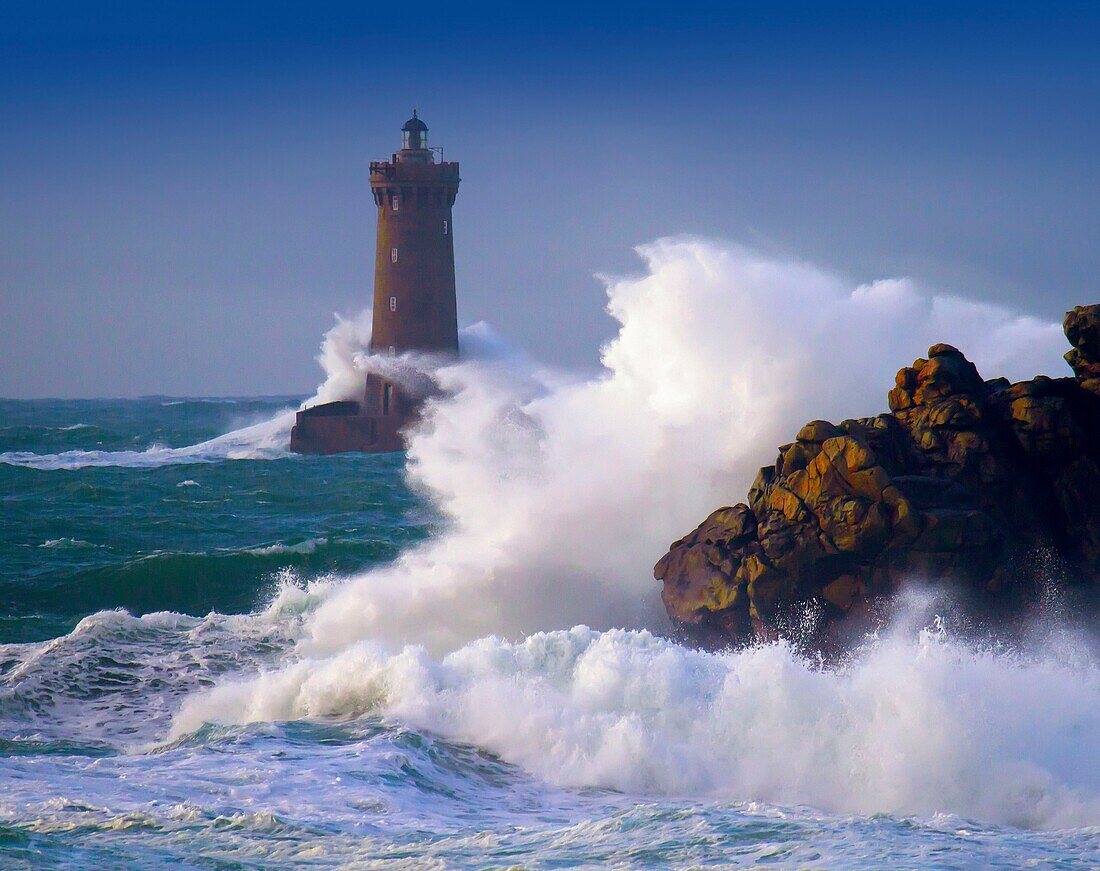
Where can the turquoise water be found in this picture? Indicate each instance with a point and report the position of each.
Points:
(187, 537)
(146, 562)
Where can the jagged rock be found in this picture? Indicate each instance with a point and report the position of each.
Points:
(1082, 326)
(698, 568)
(961, 478)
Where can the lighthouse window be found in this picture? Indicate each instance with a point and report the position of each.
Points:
(393, 255)
(444, 227)
(396, 204)
(387, 392)
(393, 303)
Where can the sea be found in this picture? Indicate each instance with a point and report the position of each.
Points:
(161, 705)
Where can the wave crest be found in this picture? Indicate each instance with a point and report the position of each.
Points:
(911, 727)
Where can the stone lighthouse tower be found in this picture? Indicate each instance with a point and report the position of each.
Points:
(414, 298)
(414, 265)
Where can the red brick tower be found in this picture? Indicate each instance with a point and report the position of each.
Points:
(414, 298)
(414, 263)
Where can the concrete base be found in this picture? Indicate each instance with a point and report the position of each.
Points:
(341, 427)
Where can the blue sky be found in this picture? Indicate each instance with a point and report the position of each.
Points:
(184, 199)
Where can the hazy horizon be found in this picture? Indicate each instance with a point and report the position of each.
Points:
(185, 202)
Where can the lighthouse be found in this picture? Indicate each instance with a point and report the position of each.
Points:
(414, 262)
(415, 307)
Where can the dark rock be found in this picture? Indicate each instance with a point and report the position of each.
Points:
(960, 481)
(1082, 326)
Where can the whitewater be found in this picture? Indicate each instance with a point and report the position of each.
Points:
(458, 657)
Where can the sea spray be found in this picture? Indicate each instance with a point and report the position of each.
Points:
(439, 727)
(557, 494)
(561, 492)
(341, 351)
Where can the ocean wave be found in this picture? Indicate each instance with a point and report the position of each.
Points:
(560, 492)
(372, 795)
(116, 677)
(308, 546)
(67, 543)
(911, 726)
(46, 427)
(173, 402)
(267, 440)
(558, 495)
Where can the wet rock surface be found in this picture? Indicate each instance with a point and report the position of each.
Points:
(963, 483)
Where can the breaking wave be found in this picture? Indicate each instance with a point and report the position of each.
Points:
(308, 546)
(911, 727)
(559, 493)
(262, 441)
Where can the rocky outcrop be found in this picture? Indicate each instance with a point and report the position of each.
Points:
(962, 482)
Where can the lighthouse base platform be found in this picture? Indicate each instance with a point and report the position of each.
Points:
(343, 427)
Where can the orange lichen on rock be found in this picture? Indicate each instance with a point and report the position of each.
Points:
(960, 476)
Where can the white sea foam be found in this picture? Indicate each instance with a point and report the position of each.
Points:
(215, 400)
(76, 543)
(915, 726)
(308, 546)
(267, 439)
(69, 428)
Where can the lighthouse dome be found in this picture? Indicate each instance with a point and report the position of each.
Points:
(414, 123)
(414, 135)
